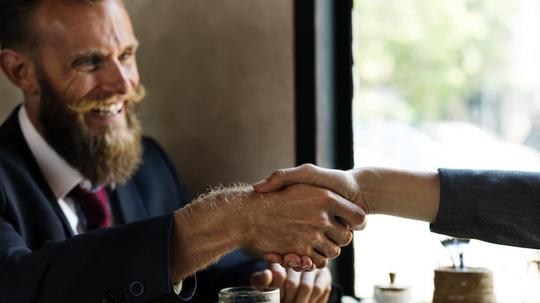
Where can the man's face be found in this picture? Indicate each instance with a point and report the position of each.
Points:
(87, 51)
(89, 85)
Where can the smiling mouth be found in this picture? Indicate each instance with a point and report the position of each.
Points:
(109, 110)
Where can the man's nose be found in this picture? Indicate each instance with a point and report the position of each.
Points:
(115, 80)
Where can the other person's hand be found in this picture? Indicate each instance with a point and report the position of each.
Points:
(296, 287)
(341, 182)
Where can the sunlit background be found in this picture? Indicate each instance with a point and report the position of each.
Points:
(447, 83)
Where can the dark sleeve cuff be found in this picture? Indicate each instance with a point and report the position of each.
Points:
(189, 286)
(501, 207)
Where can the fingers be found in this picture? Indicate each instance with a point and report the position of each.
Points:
(278, 179)
(322, 287)
(316, 231)
(298, 263)
(291, 285)
(341, 237)
(303, 294)
(295, 286)
(292, 260)
(261, 278)
(319, 260)
(349, 213)
(327, 248)
(307, 263)
(279, 275)
(274, 258)
(362, 226)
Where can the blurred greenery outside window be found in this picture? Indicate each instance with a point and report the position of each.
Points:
(444, 83)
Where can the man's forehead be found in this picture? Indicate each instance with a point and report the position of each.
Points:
(82, 22)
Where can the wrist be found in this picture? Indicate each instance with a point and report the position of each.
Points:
(413, 195)
(203, 231)
(367, 189)
(250, 213)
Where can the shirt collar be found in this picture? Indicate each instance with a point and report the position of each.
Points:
(61, 176)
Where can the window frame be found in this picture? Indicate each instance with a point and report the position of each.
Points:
(323, 63)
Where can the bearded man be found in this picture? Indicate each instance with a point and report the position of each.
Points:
(92, 211)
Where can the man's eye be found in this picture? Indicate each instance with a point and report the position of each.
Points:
(87, 63)
(125, 56)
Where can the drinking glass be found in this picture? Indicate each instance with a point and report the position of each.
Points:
(249, 294)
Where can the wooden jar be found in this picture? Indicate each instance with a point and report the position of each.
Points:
(469, 285)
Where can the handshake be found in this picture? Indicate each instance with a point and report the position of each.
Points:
(298, 217)
(301, 217)
(317, 213)
(318, 209)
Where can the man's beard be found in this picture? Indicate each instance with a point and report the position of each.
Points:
(110, 156)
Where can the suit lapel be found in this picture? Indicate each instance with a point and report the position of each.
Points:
(129, 203)
(13, 128)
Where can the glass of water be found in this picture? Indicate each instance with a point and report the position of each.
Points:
(249, 294)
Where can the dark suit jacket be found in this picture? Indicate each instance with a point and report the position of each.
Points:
(496, 206)
(41, 260)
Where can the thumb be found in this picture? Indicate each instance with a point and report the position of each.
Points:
(282, 177)
(261, 278)
(270, 184)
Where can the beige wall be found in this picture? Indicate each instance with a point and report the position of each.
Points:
(220, 85)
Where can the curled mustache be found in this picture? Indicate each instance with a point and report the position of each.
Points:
(87, 104)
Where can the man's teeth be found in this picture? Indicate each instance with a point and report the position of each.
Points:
(111, 109)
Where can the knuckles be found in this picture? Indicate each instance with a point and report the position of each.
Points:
(321, 220)
(320, 262)
(307, 169)
(359, 216)
(348, 237)
(302, 249)
(305, 287)
(317, 291)
(334, 252)
(291, 284)
(277, 174)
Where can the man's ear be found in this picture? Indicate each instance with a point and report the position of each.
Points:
(20, 70)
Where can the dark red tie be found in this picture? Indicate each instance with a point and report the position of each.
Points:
(95, 206)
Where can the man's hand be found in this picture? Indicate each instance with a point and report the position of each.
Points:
(342, 182)
(300, 219)
(296, 287)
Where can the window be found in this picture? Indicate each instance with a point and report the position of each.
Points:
(449, 83)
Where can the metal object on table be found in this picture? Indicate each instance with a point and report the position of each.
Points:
(249, 294)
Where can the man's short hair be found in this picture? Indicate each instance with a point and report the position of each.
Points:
(15, 23)
(15, 29)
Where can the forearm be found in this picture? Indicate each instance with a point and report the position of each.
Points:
(203, 231)
(413, 195)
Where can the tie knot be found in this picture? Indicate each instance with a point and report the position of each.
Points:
(79, 191)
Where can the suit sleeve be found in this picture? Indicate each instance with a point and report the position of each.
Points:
(501, 207)
(107, 265)
(234, 269)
